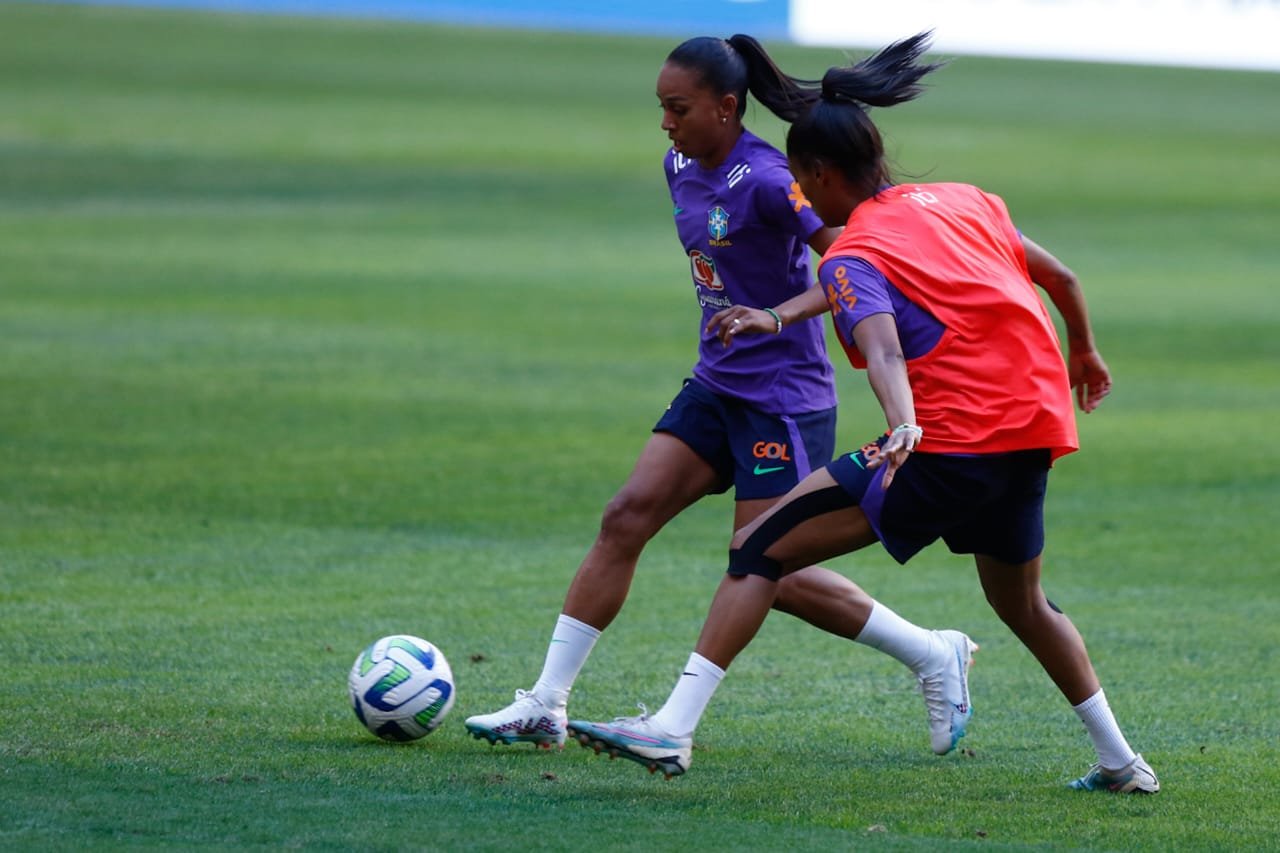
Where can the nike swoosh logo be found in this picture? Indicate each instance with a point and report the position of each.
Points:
(853, 457)
(758, 471)
(677, 211)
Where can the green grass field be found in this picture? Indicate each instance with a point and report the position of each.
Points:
(316, 331)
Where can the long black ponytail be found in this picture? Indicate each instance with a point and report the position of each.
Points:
(740, 64)
(836, 128)
(785, 96)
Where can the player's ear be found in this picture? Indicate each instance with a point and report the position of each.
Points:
(821, 174)
(728, 107)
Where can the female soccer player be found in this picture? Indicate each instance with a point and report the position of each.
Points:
(759, 416)
(931, 291)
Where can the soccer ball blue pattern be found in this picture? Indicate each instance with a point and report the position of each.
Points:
(401, 687)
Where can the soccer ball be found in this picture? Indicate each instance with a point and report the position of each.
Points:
(401, 687)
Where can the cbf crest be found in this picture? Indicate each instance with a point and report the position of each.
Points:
(717, 224)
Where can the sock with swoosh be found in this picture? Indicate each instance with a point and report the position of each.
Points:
(689, 698)
(571, 643)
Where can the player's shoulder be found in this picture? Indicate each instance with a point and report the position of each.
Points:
(926, 194)
(675, 165)
(755, 163)
(752, 163)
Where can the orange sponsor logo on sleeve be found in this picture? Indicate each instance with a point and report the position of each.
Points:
(840, 295)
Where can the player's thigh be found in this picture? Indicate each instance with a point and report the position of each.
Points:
(815, 521)
(745, 512)
(668, 477)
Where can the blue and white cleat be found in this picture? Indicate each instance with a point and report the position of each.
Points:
(1135, 778)
(637, 739)
(946, 692)
(526, 720)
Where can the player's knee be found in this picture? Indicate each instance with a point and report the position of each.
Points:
(1021, 613)
(1011, 607)
(747, 552)
(627, 519)
(752, 561)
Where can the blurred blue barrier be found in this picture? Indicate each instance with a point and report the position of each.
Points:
(761, 18)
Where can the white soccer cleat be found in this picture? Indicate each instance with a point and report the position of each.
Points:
(526, 720)
(946, 692)
(637, 739)
(1135, 778)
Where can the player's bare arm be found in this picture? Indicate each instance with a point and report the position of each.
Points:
(1089, 374)
(739, 319)
(877, 338)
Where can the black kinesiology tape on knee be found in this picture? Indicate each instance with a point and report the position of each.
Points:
(741, 563)
(750, 559)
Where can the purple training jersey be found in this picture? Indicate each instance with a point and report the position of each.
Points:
(745, 226)
(865, 291)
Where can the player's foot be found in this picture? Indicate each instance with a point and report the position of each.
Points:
(525, 720)
(946, 692)
(1136, 777)
(637, 739)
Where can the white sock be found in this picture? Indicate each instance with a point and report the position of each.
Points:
(899, 639)
(1113, 750)
(689, 698)
(571, 643)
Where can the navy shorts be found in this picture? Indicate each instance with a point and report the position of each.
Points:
(990, 504)
(762, 455)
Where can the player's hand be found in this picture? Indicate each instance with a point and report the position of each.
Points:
(740, 320)
(895, 451)
(1090, 377)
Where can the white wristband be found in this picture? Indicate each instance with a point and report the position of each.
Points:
(911, 428)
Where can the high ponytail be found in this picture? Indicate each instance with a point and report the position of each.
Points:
(785, 96)
(740, 64)
(889, 77)
(837, 129)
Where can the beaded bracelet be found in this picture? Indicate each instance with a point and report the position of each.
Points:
(776, 319)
